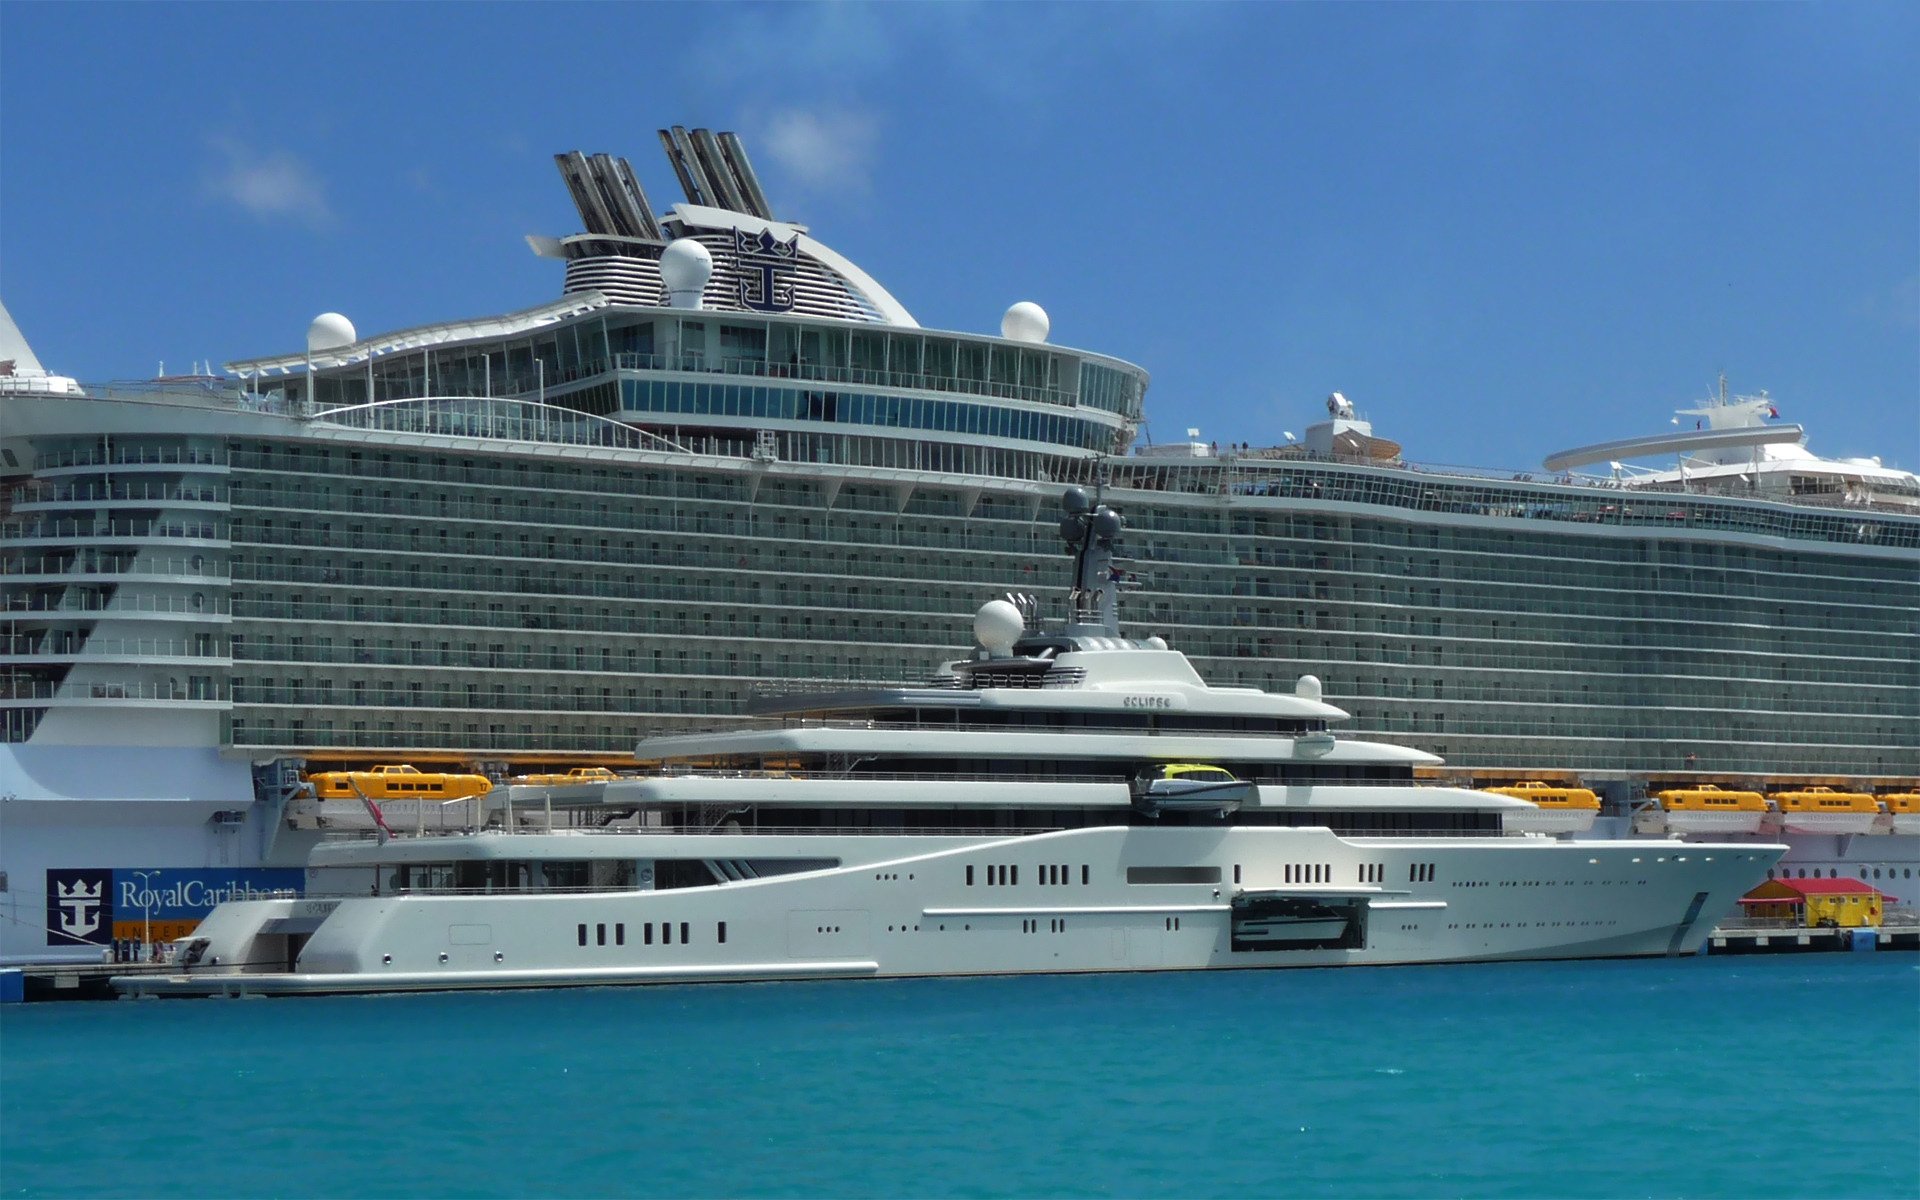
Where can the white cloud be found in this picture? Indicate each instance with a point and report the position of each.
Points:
(827, 150)
(272, 185)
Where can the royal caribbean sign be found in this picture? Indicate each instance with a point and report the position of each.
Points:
(95, 905)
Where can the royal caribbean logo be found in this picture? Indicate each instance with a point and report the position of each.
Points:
(79, 907)
(766, 265)
(95, 905)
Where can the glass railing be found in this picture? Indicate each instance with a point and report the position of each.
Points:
(94, 602)
(47, 529)
(149, 493)
(184, 568)
(58, 646)
(41, 689)
(131, 456)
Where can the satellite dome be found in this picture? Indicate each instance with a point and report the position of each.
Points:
(1156, 642)
(997, 626)
(1025, 322)
(685, 266)
(330, 331)
(1308, 688)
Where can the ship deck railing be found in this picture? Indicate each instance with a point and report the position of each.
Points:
(981, 726)
(862, 831)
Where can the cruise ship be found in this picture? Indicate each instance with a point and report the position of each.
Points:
(1026, 810)
(525, 542)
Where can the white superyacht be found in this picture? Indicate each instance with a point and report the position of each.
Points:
(1062, 801)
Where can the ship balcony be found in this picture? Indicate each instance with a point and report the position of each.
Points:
(87, 605)
(71, 532)
(196, 570)
(120, 459)
(42, 497)
(61, 648)
(42, 693)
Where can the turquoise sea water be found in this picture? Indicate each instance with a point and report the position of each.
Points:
(1791, 1076)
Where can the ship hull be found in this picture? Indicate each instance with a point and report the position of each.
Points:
(900, 907)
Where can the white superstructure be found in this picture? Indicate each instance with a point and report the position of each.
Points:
(1061, 801)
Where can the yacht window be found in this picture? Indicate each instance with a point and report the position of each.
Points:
(1173, 874)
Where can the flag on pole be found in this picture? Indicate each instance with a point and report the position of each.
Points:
(373, 810)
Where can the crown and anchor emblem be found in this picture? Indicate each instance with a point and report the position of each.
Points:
(79, 904)
(766, 267)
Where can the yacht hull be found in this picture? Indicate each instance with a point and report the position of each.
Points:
(1094, 900)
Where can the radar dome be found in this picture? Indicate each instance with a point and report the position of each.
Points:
(997, 626)
(1156, 642)
(1025, 322)
(1308, 688)
(330, 331)
(685, 266)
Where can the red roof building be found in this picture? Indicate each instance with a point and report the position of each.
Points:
(1847, 903)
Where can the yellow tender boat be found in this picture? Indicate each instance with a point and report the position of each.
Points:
(1905, 809)
(398, 782)
(1823, 810)
(1707, 809)
(1562, 809)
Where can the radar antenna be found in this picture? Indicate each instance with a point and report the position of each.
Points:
(1092, 533)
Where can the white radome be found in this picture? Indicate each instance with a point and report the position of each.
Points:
(997, 626)
(330, 331)
(685, 267)
(1026, 322)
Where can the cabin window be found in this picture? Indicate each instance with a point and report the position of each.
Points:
(720, 933)
(583, 934)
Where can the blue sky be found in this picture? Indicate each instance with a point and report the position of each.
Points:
(1501, 230)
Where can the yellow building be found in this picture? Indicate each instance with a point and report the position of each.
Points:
(1847, 903)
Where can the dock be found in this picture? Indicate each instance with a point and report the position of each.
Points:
(1748, 936)
(69, 981)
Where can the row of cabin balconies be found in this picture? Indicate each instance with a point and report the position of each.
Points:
(120, 568)
(122, 457)
(39, 496)
(71, 529)
(71, 601)
(72, 646)
(24, 689)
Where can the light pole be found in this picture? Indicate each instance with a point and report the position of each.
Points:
(146, 912)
